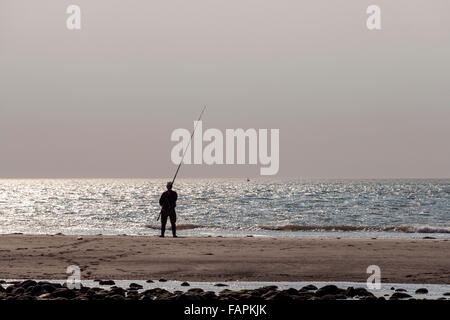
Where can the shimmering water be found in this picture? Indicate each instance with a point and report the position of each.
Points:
(229, 207)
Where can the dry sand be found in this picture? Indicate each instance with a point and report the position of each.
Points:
(224, 259)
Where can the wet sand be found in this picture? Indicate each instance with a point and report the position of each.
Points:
(224, 259)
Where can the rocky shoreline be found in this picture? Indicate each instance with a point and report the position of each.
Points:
(44, 290)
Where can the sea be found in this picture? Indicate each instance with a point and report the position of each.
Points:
(410, 208)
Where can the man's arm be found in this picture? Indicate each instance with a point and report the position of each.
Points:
(162, 199)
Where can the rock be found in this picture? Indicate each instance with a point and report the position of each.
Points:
(209, 295)
(118, 291)
(269, 294)
(246, 297)
(221, 285)
(304, 295)
(17, 291)
(149, 281)
(309, 287)
(362, 292)
(92, 291)
(392, 288)
(350, 292)
(48, 288)
(162, 280)
(156, 291)
(266, 289)
(132, 296)
(329, 289)
(63, 293)
(369, 298)
(157, 294)
(45, 296)
(135, 286)
(28, 283)
(279, 296)
(195, 290)
(422, 291)
(446, 294)
(333, 297)
(36, 290)
(131, 291)
(185, 284)
(145, 298)
(399, 295)
(188, 297)
(99, 295)
(291, 292)
(25, 298)
(79, 238)
(401, 290)
(106, 283)
(428, 238)
(83, 289)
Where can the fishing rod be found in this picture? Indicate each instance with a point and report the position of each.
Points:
(185, 150)
(184, 153)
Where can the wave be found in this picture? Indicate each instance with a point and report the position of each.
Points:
(406, 229)
(422, 229)
(344, 228)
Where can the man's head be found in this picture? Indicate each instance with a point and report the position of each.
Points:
(169, 185)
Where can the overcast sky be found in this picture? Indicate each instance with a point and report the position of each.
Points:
(104, 100)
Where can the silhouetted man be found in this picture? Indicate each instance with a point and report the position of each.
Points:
(168, 202)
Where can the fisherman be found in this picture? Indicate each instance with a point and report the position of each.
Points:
(168, 202)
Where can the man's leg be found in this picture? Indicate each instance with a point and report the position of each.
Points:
(163, 224)
(173, 220)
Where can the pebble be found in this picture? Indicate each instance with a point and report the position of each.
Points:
(221, 285)
(135, 286)
(399, 295)
(421, 291)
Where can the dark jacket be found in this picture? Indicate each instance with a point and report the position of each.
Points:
(168, 200)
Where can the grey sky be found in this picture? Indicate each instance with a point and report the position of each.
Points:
(103, 101)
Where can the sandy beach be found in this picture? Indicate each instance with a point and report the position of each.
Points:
(224, 259)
